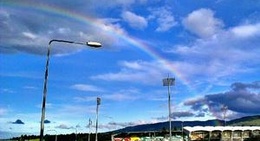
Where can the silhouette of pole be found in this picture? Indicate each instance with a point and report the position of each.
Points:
(89, 126)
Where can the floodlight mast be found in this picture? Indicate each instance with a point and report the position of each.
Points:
(98, 103)
(169, 82)
(91, 44)
(224, 109)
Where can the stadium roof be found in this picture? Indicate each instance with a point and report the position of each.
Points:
(221, 128)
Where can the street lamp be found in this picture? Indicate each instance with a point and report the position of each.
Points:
(169, 82)
(91, 44)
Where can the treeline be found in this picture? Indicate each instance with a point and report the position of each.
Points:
(66, 137)
(84, 137)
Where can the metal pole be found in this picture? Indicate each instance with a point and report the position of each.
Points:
(89, 126)
(76, 134)
(169, 82)
(45, 92)
(91, 44)
(169, 105)
(182, 130)
(56, 137)
(98, 103)
(224, 109)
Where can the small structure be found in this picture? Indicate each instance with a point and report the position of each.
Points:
(146, 136)
(221, 133)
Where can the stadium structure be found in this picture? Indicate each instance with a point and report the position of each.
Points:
(196, 133)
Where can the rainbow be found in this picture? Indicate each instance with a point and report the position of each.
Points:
(99, 24)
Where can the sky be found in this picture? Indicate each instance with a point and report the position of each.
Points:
(210, 47)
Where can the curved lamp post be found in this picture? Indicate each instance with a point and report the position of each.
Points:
(91, 44)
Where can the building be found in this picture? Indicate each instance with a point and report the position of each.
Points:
(221, 133)
(195, 133)
(146, 136)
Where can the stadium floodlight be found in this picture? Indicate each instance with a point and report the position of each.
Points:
(169, 82)
(98, 103)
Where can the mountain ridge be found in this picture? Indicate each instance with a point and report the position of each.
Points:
(177, 125)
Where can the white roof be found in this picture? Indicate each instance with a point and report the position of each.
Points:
(220, 128)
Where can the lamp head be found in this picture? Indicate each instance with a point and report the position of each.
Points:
(94, 44)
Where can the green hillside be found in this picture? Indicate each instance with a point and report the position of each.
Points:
(246, 121)
(255, 122)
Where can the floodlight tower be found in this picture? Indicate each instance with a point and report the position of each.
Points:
(169, 82)
(98, 103)
(224, 110)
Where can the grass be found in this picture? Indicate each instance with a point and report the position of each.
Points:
(254, 122)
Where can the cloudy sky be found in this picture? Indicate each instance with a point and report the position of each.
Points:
(210, 47)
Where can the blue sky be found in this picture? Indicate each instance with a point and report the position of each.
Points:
(211, 48)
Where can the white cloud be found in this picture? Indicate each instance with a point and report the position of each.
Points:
(40, 33)
(119, 97)
(202, 23)
(221, 56)
(63, 30)
(3, 111)
(6, 91)
(104, 4)
(85, 87)
(248, 30)
(117, 124)
(133, 65)
(75, 110)
(122, 95)
(134, 20)
(63, 126)
(164, 18)
(140, 71)
(84, 98)
(29, 35)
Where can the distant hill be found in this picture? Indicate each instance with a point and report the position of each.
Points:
(162, 126)
(246, 121)
(176, 125)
